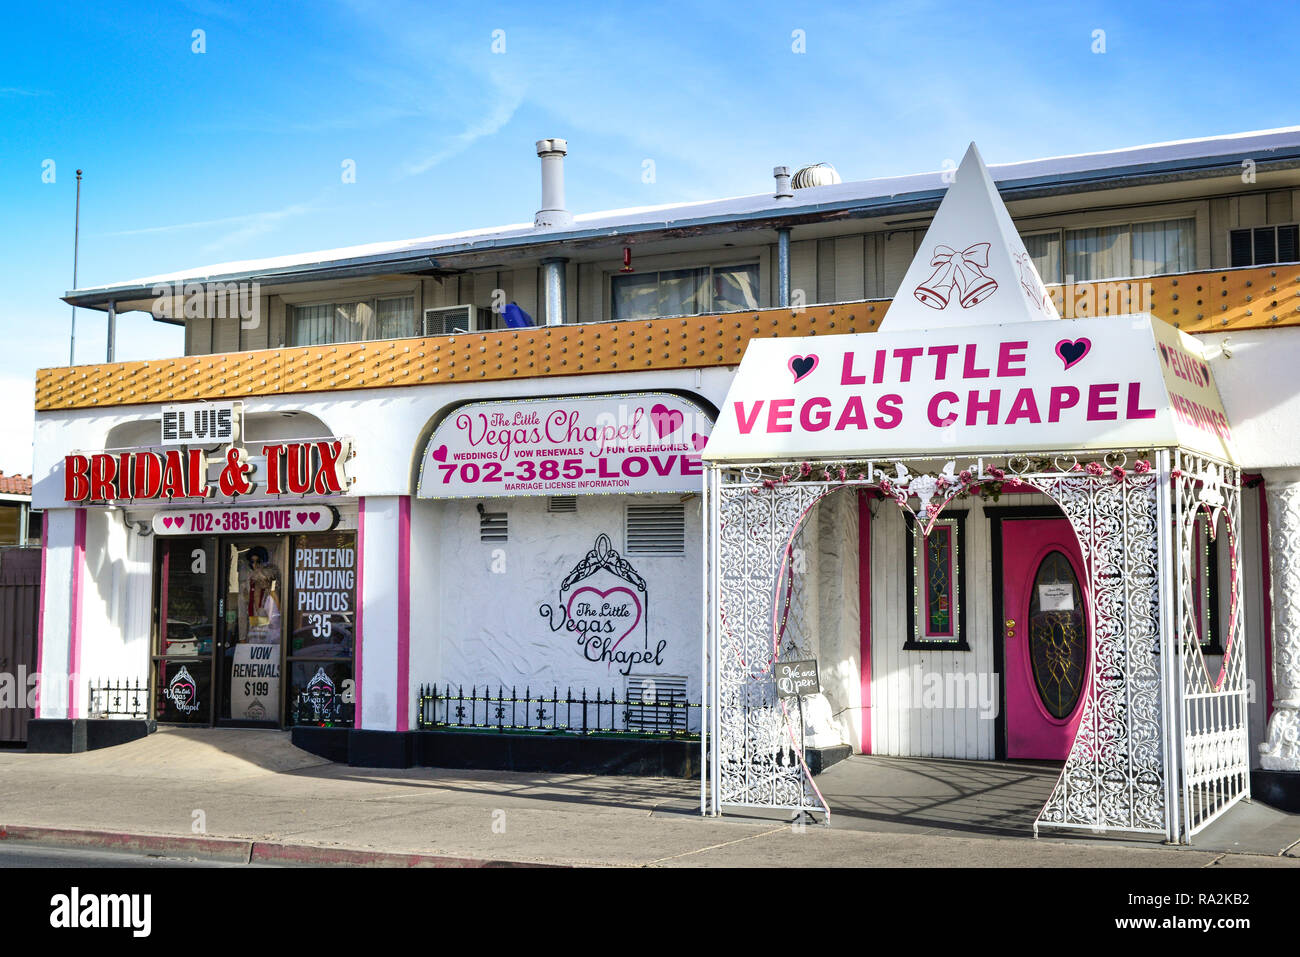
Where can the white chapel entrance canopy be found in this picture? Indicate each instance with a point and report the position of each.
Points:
(974, 366)
(972, 358)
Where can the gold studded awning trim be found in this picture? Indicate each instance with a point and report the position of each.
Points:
(1253, 298)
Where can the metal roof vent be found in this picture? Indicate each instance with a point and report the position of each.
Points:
(818, 174)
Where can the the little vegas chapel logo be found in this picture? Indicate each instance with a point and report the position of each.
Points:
(603, 602)
(183, 691)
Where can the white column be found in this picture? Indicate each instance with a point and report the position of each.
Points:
(56, 614)
(384, 657)
(1281, 751)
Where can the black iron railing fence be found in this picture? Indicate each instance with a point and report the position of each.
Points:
(665, 713)
(109, 697)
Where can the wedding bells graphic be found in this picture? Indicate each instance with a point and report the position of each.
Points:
(957, 274)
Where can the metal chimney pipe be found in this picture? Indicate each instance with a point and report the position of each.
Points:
(782, 176)
(783, 268)
(556, 300)
(552, 213)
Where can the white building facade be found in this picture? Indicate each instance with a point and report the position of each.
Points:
(401, 569)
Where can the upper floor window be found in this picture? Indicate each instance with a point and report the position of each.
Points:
(1263, 245)
(392, 317)
(684, 292)
(1108, 252)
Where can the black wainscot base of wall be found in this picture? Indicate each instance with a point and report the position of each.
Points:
(558, 753)
(380, 749)
(328, 743)
(819, 759)
(1279, 789)
(72, 735)
(493, 751)
(358, 748)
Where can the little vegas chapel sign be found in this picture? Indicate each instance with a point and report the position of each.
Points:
(1123, 383)
(567, 445)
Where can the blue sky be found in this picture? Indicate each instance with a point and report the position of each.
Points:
(236, 152)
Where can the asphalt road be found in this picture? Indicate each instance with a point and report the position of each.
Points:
(39, 855)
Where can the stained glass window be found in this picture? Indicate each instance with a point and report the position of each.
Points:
(938, 582)
(935, 583)
(1205, 585)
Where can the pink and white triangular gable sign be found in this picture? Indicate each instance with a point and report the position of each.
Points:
(972, 267)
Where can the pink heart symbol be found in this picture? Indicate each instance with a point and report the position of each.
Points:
(302, 518)
(440, 454)
(314, 516)
(636, 603)
(699, 441)
(666, 421)
(167, 521)
(1072, 353)
(802, 366)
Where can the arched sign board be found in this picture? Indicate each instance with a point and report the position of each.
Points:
(1078, 384)
(567, 445)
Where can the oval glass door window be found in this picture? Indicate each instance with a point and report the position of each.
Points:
(1058, 635)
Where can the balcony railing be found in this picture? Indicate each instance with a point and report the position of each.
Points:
(1223, 300)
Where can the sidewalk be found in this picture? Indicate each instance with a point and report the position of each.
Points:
(257, 796)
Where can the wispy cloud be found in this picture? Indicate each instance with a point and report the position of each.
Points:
(20, 91)
(500, 113)
(238, 228)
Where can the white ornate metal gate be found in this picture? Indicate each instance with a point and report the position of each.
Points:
(1130, 768)
(1213, 713)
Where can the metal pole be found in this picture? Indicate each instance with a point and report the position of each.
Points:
(783, 268)
(76, 243)
(715, 772)
(112, 330)
(1169, 596)
(706, 529)
(553, 277)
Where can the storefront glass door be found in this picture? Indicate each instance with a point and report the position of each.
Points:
(256, 631)
(184, 630)
(250, 644)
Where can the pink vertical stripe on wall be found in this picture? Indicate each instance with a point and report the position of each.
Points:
(40, 617)
(357, 629)
(1266, 574)
(864, 613)
(74, 611)
(404, 613)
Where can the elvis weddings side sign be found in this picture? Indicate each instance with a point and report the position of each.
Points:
(567, 445)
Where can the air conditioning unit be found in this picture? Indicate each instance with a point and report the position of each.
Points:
(451, 320)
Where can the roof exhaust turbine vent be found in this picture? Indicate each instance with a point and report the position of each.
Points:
(818, 174)
(552, 213)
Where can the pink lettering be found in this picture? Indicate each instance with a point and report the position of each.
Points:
(1100, 398)
(816, 413)
(846, 373)
(745, 423)
(1135, 410)
(1007, 354)
(1062, 397)
(778, 415)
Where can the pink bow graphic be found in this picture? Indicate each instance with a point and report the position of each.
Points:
(962, 271)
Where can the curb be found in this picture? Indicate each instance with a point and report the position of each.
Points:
(237, 851)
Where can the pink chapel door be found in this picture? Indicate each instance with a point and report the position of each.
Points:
(1046, 633)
